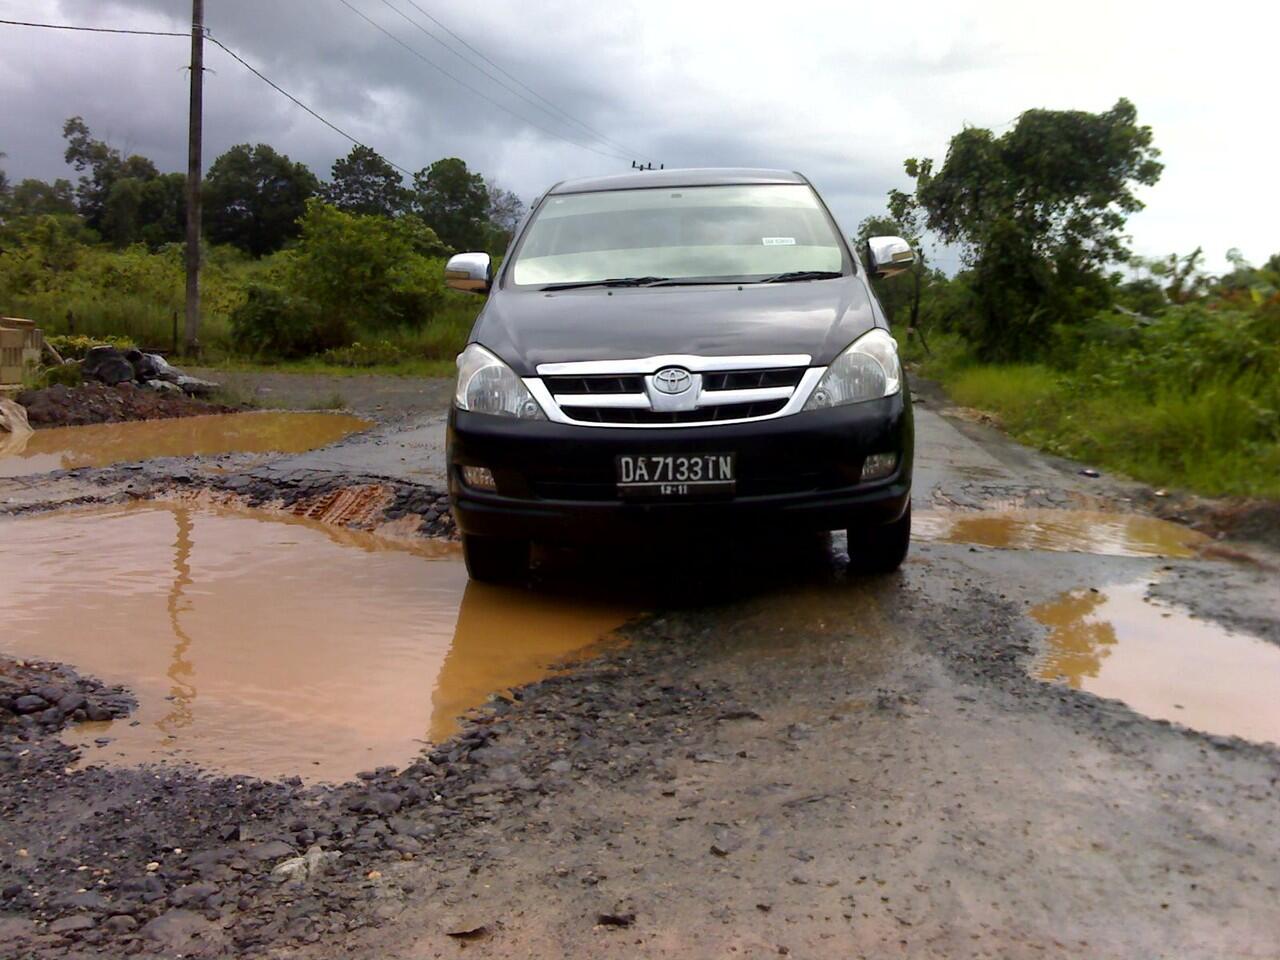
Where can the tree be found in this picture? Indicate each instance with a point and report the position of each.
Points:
(1038, 212)
(36, 198)
(103, 167)
(453, 202)
(151, 211)
(253, 198)
(364, 183)
(505, 212)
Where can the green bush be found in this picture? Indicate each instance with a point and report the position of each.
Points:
(67, 374)
(273, 322)
(365, 269)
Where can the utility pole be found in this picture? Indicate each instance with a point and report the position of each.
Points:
(191, 332)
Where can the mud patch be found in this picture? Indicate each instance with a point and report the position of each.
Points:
(69, 448)
(1073, 531)
(1161, 661)
(268, 644)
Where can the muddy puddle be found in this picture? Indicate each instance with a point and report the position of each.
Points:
(269, 645)
(66, 448)
(1161, 661)
(1072, 531)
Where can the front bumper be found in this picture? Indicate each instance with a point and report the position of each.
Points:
(801, 472)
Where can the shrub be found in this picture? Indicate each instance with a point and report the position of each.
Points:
(274, 322)
(365, 269)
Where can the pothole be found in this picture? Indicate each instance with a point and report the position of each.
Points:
(99, 445)
(1078, 531)
(1162, 661)
(272, 645)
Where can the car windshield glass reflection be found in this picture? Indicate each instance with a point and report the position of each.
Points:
(674, 234)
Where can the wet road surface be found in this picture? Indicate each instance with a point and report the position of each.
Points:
(784, 760)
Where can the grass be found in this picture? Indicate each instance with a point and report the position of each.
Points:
(1210, 439)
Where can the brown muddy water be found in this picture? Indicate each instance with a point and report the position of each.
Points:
(269, 645)
(66, 448)
(1161, 661)
(1068, 531)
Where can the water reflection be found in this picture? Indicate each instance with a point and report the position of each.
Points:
(1079, 531)
(67, 448)
(1162, 661)
(266, 645)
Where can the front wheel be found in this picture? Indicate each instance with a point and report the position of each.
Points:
(495, 559)
(880, 549)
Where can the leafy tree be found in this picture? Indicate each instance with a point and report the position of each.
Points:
(102, 166)
(152, 211)
(253, 198)
(35, 198)
(1038, 212)
(505, 212)
(454, 202)
(365, 183)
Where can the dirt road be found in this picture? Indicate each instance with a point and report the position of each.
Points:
(779, 759)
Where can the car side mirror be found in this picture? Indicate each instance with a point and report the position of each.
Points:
(888, 256)
(469, 272)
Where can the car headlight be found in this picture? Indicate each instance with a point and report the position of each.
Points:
(868, 370)
(487, 385)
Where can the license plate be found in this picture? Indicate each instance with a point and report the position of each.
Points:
(675, 475)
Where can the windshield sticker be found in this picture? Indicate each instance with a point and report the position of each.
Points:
(778, 241)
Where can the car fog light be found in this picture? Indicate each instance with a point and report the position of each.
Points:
(479, 478)
(879, 465)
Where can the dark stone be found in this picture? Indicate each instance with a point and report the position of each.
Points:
(192, 893)
(98, 713)
(615, 919)
(30, 703)
(72, 702)
(11, 891)
(402, 844)
(72, 924)
(108, 365)
(176, 929)
(271, 850)
(121, 923)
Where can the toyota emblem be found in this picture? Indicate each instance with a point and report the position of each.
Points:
(672, 380)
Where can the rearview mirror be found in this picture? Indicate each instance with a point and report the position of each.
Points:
(469, 272)
(887, 256)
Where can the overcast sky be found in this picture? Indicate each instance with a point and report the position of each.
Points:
(841, 91)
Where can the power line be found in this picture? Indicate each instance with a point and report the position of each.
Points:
(218, 43)
(273, 85)
(64, 26)
(466, 86)
(552, 112)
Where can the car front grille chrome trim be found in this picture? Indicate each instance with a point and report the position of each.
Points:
(592, 409)
(694, 364)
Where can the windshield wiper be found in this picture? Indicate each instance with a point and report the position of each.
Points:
(612, 282)
(802, 275)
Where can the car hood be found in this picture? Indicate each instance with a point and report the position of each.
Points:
(819, 318)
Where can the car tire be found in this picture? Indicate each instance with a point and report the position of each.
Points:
(495, 559)
(880, 549)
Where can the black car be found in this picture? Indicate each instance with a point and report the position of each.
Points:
(687, 352)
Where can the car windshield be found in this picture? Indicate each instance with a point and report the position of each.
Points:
(681, 233)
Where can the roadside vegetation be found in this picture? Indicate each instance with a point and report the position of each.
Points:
(1149, 367)
(343, 276)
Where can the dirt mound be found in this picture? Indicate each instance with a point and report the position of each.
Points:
(62, 406)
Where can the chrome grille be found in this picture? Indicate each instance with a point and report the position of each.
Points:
(751, 379)
(631, 393)
(724, 411)
(600, 383)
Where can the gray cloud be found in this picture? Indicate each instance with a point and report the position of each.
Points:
(841, 92)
